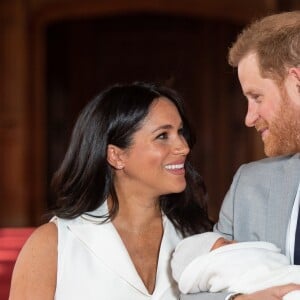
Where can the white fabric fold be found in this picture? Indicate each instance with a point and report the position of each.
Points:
(242, 267)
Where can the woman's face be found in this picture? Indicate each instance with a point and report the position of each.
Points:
(154, 163)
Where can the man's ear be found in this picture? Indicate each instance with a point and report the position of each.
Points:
(114, 156)
(294, 72)
(293, 84)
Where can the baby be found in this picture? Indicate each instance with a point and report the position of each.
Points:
(209, 263)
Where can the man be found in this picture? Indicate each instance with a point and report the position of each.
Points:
(263, 201)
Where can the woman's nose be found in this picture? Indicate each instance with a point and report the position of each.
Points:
(182, 147)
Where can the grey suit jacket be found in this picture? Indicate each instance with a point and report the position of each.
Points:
(258, 205)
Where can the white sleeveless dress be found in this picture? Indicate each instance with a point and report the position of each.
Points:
(94, 264)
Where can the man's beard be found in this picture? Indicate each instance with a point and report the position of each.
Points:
(284, 131)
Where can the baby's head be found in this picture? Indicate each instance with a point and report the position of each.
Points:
(194, 246)
(220, 242)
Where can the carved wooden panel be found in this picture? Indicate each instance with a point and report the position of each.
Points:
(14, 206)
(86, 56)
(201, 74)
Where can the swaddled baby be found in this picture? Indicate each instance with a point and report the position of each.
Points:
(209, 263)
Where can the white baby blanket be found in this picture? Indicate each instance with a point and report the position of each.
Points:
(242, 267)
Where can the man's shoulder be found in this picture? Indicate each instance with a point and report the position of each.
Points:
(287, 165)
(270, 162)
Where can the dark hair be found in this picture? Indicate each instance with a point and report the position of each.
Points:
(85, 178)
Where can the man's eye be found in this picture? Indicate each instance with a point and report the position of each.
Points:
(256, 98)
(180, 131)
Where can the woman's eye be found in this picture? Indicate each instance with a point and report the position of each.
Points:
(162, 136)
(180, 131)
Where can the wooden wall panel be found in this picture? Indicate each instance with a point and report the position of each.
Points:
(23, 93)
(14, 208)
(85, 57)
(233, 10)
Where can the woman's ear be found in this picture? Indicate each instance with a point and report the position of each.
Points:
(114, 156)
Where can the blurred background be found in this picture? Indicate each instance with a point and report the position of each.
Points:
(55, 55)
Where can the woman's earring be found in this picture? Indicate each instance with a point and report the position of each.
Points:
(120, 167)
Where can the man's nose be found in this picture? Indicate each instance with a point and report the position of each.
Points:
(252, 115)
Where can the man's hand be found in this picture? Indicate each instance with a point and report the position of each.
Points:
(273, 293)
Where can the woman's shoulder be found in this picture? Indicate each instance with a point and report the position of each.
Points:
(48, 228)
(34, 274)
(43, 238)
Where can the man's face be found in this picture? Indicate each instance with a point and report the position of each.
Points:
(270, 109)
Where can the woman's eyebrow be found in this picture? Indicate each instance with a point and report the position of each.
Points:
(165, 127)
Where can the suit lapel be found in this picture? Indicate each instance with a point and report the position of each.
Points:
(283, 188)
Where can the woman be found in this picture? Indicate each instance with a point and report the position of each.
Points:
(126, 195)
